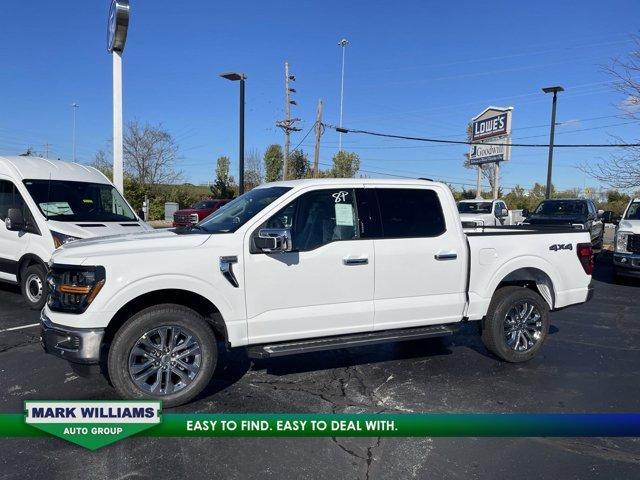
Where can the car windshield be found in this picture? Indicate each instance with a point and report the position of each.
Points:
(67, 201)
(633, 212)
(205, 204)
(236, 213)
(559, 207)
(474, 207)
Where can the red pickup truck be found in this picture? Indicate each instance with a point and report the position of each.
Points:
(201, 210)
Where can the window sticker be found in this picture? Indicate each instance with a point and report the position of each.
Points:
(344, 215)
(341, 196)
(56, 208)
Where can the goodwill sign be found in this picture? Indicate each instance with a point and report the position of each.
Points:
(491, 134)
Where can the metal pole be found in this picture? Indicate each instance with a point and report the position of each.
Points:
(479, 182)
(241, 154)
(343, 43)
(551, 138)
(316, 152)
(118, 168)
(75, 107)
(287, 120)
(496, 181)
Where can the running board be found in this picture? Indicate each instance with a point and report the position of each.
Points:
(348, 341)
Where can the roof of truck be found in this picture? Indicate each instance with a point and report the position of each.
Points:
(349, 181)
(37, 168)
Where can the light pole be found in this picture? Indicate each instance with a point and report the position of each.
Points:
(234, 77)
(555, 91)
(75, 107)
(342, 43)
(117, 27)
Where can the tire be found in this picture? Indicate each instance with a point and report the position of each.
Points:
(33, 283)
(174, 320)
(505, 313)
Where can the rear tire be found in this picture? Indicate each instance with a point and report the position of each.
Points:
(516, 324)
(166, 352)
(33, 283)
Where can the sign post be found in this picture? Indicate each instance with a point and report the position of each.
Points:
(117, 26)
(490, 137)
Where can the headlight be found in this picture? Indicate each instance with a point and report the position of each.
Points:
(60, 239)
(622, 239)
(72, 289)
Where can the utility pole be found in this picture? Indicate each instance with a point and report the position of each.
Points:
(342, 43)
(479, 182)
(496, 181)
(75, 106)
(316, 151)
(287, 123)
(46, 150)
(555, 91)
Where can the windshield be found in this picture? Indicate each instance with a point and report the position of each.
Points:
(66, 201)
(558, 207)
(205, 204)
(474, 207)
(633, 212)
(236, 213)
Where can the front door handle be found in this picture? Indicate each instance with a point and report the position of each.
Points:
(452, 255)
(355, 261)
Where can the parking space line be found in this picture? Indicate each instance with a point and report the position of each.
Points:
(19, 328)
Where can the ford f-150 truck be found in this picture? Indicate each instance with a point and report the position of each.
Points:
(483, 212)
(301, 266)
(626, 255)
(201, 210)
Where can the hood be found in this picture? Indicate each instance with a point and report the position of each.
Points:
(97, 229)
(629, 226)
(158, 241)
(554, 220)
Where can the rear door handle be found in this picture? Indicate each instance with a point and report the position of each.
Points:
(355, 261)
(446, 255)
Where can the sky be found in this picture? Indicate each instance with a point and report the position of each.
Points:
(418, 68)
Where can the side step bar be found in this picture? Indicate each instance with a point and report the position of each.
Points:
(350, 340)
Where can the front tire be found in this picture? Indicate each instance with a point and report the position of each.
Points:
(516, 324)
(166, 352)
(33, 283)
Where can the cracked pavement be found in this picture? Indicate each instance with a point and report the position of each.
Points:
(590, 363)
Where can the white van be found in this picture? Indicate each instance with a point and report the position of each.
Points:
(47, 203)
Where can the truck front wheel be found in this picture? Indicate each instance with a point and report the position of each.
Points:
(516, 324)
(166, 352)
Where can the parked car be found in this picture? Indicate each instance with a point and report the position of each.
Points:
(45, 204)
(626, 253)
(577, 213)
(303, 266)
(201, 210)
(483, 212)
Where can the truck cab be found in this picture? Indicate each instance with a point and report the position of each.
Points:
(45, 204)
(480, 212)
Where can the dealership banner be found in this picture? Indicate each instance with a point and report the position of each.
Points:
(96, 424)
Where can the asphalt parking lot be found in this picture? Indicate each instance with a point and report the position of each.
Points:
(590, 363)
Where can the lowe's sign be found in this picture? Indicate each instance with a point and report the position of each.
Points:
(491, 134)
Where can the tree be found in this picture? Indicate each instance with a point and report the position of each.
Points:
(223, 187)
(150, 153)
(298, 165)
(345, 164)
(253, 170)
(273, 160)
(622, 170)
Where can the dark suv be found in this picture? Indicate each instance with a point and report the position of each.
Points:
(577, 213)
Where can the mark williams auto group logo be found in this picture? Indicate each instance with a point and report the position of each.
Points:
(92, 424)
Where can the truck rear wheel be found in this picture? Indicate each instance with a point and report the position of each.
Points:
(516, 324)
(166, 352)
(34, 286)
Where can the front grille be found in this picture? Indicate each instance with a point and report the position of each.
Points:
(193, 218)
(633, 244)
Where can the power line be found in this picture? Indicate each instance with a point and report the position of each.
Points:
(462, 142)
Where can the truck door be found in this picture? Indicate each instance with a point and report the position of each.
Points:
(12, 243)
(325, 285)
(421, 259)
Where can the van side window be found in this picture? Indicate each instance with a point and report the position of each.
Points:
(10, 198)
(408, 213)
(317, 218)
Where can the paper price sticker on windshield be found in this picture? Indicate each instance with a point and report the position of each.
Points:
(344, 214)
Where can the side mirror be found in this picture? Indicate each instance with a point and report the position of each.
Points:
(525, 212)
(271, 240)
(14, 220)
(607, 217)
(504, 213)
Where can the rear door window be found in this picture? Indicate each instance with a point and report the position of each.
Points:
(410, 213)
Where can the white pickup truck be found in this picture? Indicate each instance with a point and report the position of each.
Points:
(301, 266)
(483, 213)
